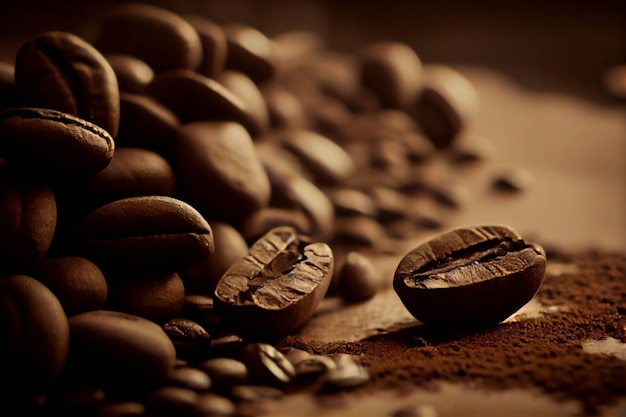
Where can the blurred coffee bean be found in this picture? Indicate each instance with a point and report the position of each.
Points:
(226, 342)
(133, 75)
(9, 96)
(248, 92)
(214, 44)
(77, 282)
(199, 308)
(350, 201)
(35, 336)
(284, 107)
(28, 218)
(194, 97)
(359, 279)
(512, 179)
(190, 378)
(174, 43)
(445, 104)
(254, 393)
(147, 123)
(267, 365)
(61, 71)
(392, 70)
(120, 409)
(170, 400)
(230, 246)
(219, 170)
(347, 373)
(311, 373)
(251, 52)
(213, 405)
(225, 372)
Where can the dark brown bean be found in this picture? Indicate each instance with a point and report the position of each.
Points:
(190, 339)
(359, 279)
(61, 71)
(277, 286)
(174, 43)
(214, 44)
(225, 372)
(267, 365)
(251, 52)
(42, 142)
(133, 75)
(474, 275)
(155, 232)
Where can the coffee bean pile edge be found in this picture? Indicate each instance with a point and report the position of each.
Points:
(176, 195)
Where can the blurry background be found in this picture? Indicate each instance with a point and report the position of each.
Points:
(564, 44)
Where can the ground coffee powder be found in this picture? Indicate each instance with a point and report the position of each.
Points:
(583, 299)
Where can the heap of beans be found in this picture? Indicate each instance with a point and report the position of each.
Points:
(176, 195)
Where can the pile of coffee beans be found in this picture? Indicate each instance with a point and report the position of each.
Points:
(176, 195)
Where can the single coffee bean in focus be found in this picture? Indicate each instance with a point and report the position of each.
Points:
(470, 276)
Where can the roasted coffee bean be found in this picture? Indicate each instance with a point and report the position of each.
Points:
(351, 201)
(194, 97)
(225, 372)
(230, 246)
(346, 374)
(190, 339)
(361, 232)
(214, 44)
(35, 336)
(445, 104)
(277, 286)
(255, 393)
(61, 71)
(43, 142)
(322, 157)
(248, 92)
(157, 297)
(174, 43)
(359, 279)
(77, 282)
(294, 355)
(392, 71)
(226, 343)
(474, 275)
(251, 52)
(153, 232)
(169, 400)
(284, 107)
(313, 371)
(118, 348)
(28, 218)
(147, 123)
(189, 377)
(120, 409)
(133, 75)
(199, 308)
(267, 365)
(213, 405)
(267, 218)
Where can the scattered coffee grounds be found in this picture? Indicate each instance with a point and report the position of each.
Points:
(586, 301)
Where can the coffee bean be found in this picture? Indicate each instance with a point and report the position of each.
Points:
(277, 286)
(169, 400)
(61, 71)
(284, 107)
(77, 282)
(118, 348)
(267, 218)
(120, 409)
(359, 280)
(251, 52)
(214, 44)
(350, 201)
(199, 308)
(133, 75)
(213, 405)
(9, 97)
(154, 232)
(43, 142)
(190, 339)
(189, 377)
(35, 336)
(230, 245)
(445, 105)
(219, 170)
(474, 275)
(347, 373)
(194, 97)
(266, 365)
(227, 343)
(174, 43)
(28, 218)
(254, 393)
(512, 180)
(311, 373)
(225, 372)
(147, 123)
(157, 297)
(248, 92)
(392, 70)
